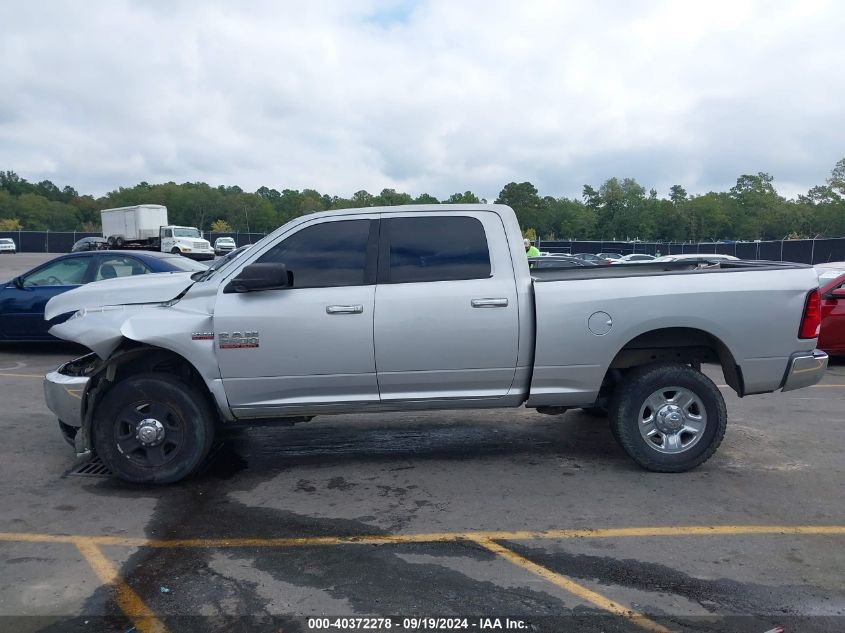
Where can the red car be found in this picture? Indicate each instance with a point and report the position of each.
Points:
(832, 286)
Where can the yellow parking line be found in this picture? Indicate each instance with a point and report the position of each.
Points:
(129, 602)
(586, 594)
(145, 620)
(436, 537)
(29, 537)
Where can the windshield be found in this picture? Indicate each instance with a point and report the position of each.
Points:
(186, 232)
(183, 263)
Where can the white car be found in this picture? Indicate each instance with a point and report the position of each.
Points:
(7, 245)
(223, 245)
(694, 256)
(634, 257)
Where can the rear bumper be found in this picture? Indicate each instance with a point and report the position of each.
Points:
(63, 394)
(805, 369)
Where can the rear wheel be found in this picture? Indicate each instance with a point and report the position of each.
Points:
(668, 417)
(153, 428)
(118, 242)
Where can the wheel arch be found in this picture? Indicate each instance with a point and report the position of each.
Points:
(134, 357)
(687, 345)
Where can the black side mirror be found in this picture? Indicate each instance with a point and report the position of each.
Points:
(18, 282)
(260, 277)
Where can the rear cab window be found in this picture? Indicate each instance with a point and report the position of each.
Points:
(433, 248)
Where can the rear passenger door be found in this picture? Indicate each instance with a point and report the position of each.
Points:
(446, 319)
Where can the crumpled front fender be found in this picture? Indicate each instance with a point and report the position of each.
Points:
(100, 331)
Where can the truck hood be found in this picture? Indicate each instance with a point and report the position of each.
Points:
(139, 289)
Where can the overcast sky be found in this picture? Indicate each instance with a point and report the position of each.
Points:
(433, 97)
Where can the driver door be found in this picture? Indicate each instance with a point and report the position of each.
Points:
(301, 349)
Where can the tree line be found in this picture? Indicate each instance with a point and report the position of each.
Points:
(618, 209)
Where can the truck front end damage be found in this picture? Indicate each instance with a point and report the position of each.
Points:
(143, 334)
(66, 394)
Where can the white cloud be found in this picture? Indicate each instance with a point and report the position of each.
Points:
(430, 96)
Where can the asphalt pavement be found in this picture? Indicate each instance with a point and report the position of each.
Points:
(540, 521)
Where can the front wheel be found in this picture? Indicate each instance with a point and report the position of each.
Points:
(175, 251)
(152, 428)
(668, 417)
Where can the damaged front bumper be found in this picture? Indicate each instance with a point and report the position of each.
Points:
(66, 391)
(63, 394)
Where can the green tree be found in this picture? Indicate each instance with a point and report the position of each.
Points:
(425, 198)
(391, 197)
(467, 197)
(221, 226)
(837, 177)
(524, 199)
(10, 224)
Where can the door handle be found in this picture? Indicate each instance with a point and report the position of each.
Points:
(344, 309)
(489, 303)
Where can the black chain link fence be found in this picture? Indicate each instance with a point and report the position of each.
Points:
(801, 251)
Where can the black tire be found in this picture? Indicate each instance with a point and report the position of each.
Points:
(184, 414)
(110, 241)
(175, 251)
(119, 242)
(595, 412)
(630, 399)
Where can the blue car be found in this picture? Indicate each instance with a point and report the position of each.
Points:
(22, 299)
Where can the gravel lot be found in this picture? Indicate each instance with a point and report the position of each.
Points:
(503, 513)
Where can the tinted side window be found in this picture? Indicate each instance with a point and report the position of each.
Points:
(437, 249)
(327, 254)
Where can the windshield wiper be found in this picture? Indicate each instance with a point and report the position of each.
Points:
(202, 275)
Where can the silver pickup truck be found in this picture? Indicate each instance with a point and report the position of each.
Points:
(422, 307)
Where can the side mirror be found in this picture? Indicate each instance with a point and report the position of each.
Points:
(260, 277)
(17, 282)
(838, 293)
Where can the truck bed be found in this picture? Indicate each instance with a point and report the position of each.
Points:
(585, 316)
(647, 269)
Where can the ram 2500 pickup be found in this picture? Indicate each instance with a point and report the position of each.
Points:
(422, 307)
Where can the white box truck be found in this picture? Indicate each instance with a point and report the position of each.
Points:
(146, 226)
